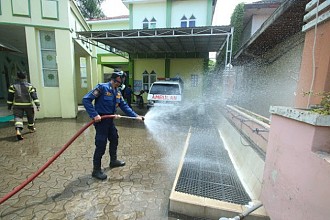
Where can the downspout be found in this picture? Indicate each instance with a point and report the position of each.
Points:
(167, 68)
(131, 72)
(168, 13)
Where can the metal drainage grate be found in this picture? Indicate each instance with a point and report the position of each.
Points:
(207, 170)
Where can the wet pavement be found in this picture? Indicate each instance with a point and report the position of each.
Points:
(66, 190)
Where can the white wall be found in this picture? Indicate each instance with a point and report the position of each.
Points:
(188, 8)
(179, 9)
(255, 23)
(142, 11)
(110, 24)
(66, 74)
(41, 12)
(64, 19)
(273, 80)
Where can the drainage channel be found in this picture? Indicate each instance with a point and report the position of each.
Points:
(207, 170)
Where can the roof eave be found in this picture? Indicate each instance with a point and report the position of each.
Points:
(243, 52)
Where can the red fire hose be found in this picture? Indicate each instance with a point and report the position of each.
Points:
(51, 160)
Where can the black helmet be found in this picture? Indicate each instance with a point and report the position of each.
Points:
(21, 75)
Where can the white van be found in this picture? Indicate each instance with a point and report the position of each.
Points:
(165, 93)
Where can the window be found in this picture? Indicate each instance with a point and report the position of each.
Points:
(152, 23)
(184, 21)
(192, 21)
(145, 23)
(83, 72)
(194, 80)
(188, 23)
(48, 58)
(148, 79)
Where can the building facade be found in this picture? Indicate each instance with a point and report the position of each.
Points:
(144, 69)
(42, 38)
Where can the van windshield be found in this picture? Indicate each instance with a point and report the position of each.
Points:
(165, 89)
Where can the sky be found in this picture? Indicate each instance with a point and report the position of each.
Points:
(223, 10)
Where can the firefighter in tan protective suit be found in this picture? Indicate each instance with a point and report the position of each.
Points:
(21, 96)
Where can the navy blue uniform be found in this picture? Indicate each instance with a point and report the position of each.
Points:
(106, 101)
(21, 96)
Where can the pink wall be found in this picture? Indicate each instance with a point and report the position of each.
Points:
(322, 65)
(296, 178)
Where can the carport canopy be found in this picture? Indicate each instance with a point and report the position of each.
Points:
(162, 42)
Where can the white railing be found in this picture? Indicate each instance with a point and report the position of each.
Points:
(317, 12)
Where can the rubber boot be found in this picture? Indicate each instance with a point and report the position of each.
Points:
(116, 163)
(19, 134)
(98, 174)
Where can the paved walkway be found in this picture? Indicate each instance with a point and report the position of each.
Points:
(66, 190)
(5, 114)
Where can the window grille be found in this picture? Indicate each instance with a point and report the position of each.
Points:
(148, 79)
(48, 58)
(194, 80)
(83, 72)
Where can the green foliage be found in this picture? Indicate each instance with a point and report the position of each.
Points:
(236, 21)
(91, 8)
(220, 62)
(211, 64)
(324, 107)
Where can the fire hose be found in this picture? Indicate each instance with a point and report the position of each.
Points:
(52, 159)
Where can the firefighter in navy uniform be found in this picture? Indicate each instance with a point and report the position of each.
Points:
(21, 96)
(107, 97)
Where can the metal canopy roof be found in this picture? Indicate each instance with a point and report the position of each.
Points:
(162, 42)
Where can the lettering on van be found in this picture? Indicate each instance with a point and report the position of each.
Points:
(165, 97)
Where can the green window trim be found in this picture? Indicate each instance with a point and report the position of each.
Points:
(57, 10)
(148, 79)
(28, 15)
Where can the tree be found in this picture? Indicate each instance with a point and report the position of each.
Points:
(236, 21)
(91, 8)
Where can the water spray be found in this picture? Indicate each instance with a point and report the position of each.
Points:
(52, 159)
(128, 117)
